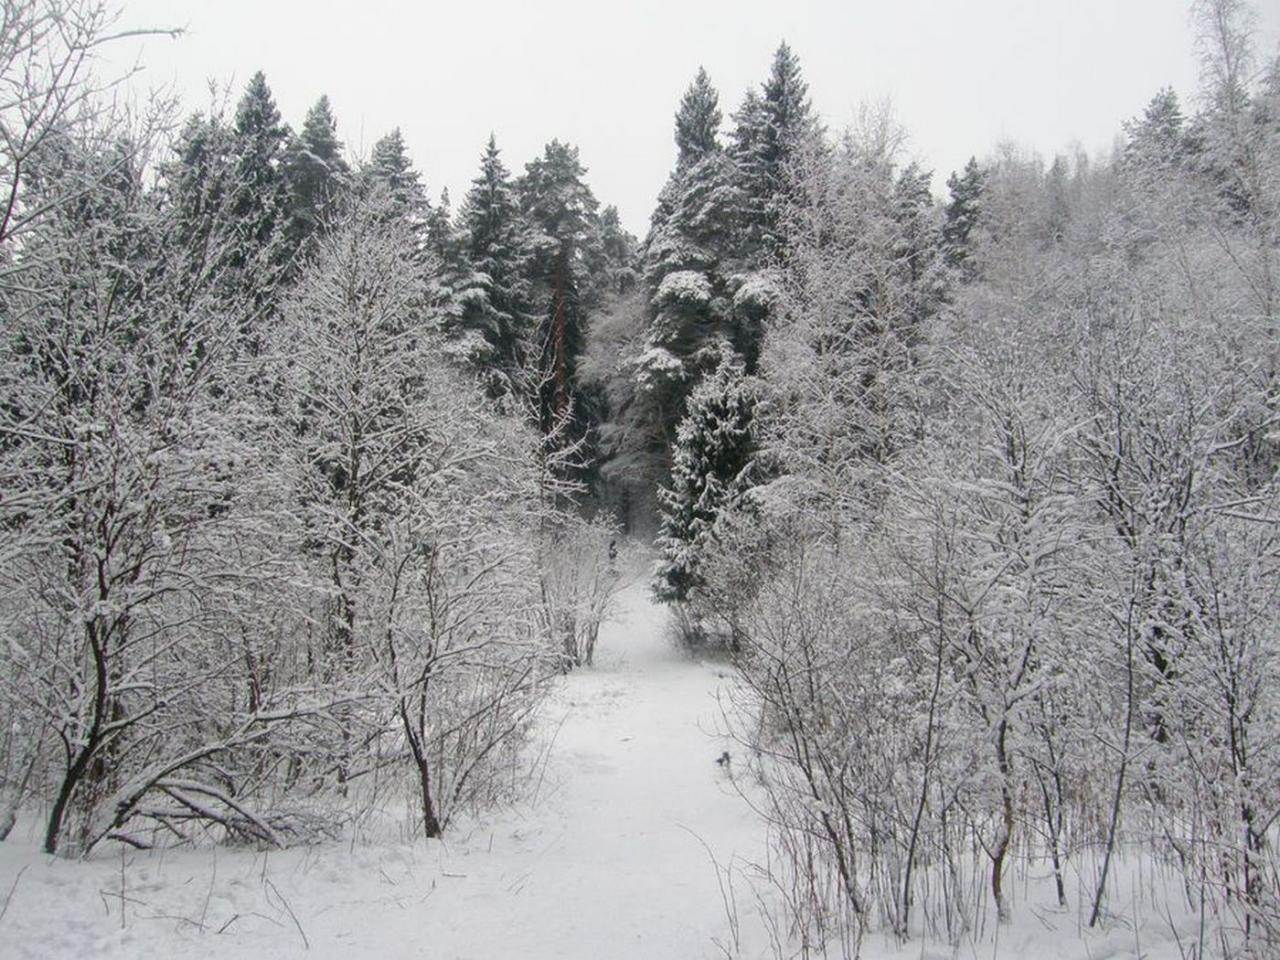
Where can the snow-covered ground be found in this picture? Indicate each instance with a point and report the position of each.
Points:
(619, 854)
(608, 861)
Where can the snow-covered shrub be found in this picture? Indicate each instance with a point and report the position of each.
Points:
(235, 554)
(582, 572)
(1003, 609)
(423, 507)
(146, 580)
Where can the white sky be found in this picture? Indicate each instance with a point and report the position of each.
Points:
(607, 76)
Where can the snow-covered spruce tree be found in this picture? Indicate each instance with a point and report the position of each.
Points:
(199, 175)
(698, 121)
(713, 240)
(316, 176)
(659, 347)
(494, 301)
(963, 210)
(391, 170)
(260, 206)
(714, 468)
(223, 186)
(772, 129)
(561, 213)
(615, 258)
(686, 258)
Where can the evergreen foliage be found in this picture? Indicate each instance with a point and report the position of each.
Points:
(697, 121)
(773, 128)
(1159, 137)
(199, 175)
(495, 303)
(260, 138)
(391, 170)
(963, 211)
(712, 471)
(316, 174)
(561, 213)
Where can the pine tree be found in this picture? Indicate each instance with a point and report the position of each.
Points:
(962, 213)
(561, 212)
(698, 121)
(494, 302)
(773, 128)
(198, 177)
(714, 460)
(259, 143)
(315, 172)
(390, 168)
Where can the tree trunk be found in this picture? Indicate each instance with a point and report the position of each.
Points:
(1003, 839)
(78, 763)
(430, 821)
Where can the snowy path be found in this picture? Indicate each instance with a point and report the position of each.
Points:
(608, 864)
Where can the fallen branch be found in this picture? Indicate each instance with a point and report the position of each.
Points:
(12, 888)
(292, 916)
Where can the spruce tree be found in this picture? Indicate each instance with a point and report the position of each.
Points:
(441, 236)
(315, 172)
(690, 259)
(698, 121)
(615, 270)
(712, 471)
(197, 179)
(773, 127)
(390, 168)
(494, 302)
(962, 213)
(561, 212)
(1159, 136)
(919, 253)
(258, 145)
(751, 176)
(451, 279)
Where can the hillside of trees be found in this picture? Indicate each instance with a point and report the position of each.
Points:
(313, 481)
(983, 496)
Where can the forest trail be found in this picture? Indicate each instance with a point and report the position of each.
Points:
(607, 862)
(611, 862)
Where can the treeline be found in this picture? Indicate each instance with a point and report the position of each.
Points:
(987, 505)
(291, 524)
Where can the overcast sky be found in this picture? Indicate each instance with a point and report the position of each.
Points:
(607, 76)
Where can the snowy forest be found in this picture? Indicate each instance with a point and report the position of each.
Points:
(316, 484)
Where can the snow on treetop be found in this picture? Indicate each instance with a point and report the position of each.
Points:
(685, 286)
(758, 291)
(657, 365)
